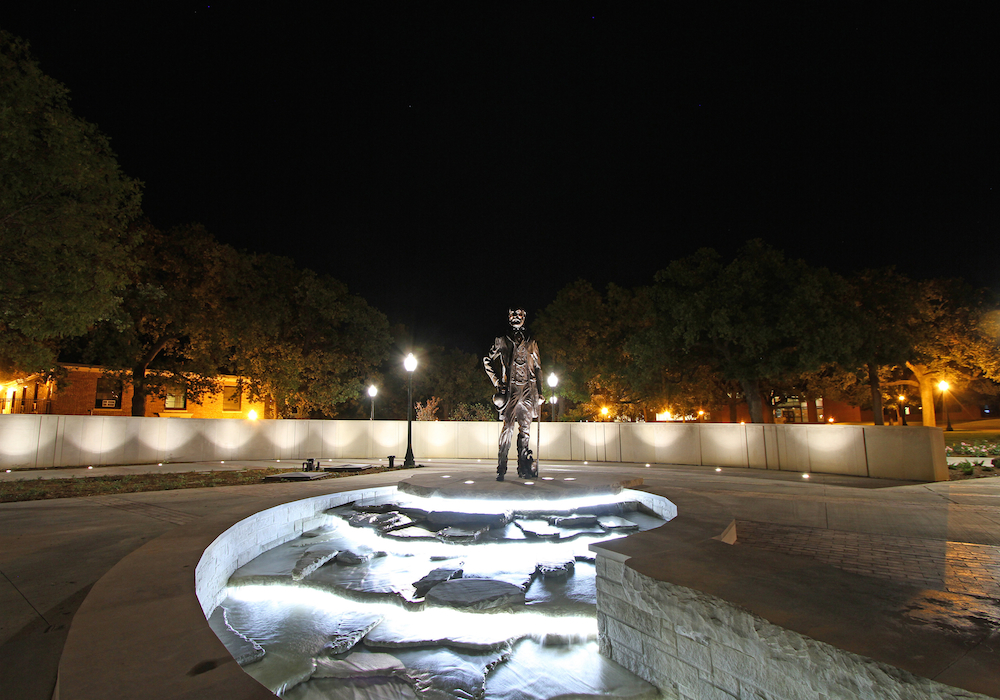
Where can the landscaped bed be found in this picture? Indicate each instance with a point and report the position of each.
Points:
(38, 489)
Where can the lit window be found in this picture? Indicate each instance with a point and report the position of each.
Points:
(176, 397)
(109, 393)
(231, 398)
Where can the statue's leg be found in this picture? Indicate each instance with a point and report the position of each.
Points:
(504, 445)
(524, 456)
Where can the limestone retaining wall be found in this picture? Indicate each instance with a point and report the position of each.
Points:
(36, 441)
(694, 646)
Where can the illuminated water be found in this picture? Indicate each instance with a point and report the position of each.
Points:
(336, 613)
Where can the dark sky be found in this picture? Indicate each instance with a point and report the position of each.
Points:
(444, 159)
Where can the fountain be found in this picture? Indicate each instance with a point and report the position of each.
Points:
(439, 588)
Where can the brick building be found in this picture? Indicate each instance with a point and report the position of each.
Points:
(89, 392)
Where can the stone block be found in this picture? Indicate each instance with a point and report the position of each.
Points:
(694, 652)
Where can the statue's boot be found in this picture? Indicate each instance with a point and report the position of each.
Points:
(525, 465)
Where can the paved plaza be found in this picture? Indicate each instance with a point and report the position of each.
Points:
(923, 557)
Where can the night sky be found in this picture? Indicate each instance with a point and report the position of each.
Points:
(443, 159)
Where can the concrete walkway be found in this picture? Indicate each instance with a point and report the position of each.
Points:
(937, 545)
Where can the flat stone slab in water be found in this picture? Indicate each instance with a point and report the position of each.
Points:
(614, 522)
(475, 593)
(434, 578)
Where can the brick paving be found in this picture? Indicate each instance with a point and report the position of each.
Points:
(955, 567)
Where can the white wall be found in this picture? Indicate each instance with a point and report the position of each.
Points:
(28, 441)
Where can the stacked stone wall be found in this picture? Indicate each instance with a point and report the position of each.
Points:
(695, 646)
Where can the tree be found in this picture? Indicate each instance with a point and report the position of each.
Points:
(760, 317)
(582, 338)
(882, 299)
(300, 339)
(952, 339)
(65, 215)
(174, 325)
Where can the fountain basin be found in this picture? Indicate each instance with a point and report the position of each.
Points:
(276, 615)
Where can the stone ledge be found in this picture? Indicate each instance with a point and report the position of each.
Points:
(714, 637)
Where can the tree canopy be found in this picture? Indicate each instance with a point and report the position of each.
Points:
(66, 211)
(759, 317)
(300, 339)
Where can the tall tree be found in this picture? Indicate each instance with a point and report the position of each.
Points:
(65, 214)
(174, 326)
(300, 339)
(882, 299)
(953, 340)
(582, 338)
(760, 317)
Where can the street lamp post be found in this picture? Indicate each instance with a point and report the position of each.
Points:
(943, 386)
(371, 392)
(902, 410)
(553, 381)
(410, 364)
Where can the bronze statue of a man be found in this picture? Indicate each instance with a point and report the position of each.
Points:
(515, 370)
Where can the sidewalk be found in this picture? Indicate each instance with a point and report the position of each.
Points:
(937, 545)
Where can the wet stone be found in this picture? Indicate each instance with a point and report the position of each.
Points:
(472, 521)
(555, 569)
(413, 632)
(383, 522)
(574, 521)
(434, 578)
(242, 648)
(538, 529)
(413, 532)
(319, 531)
(509, 532)
(475, 594)
(370, 688)
(312, 560)
(461, 534)
(455, 673)
(574, 594)
(349, 558)
(359, 665)
(614, 522)
(342, 642)
(280, 671)
(386, 507)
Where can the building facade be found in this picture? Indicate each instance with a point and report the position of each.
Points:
(87, 391)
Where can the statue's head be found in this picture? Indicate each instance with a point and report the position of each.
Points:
(516, 317)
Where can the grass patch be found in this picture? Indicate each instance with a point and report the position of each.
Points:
(40, 489)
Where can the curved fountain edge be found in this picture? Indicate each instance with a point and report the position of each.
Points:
(264, 530)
